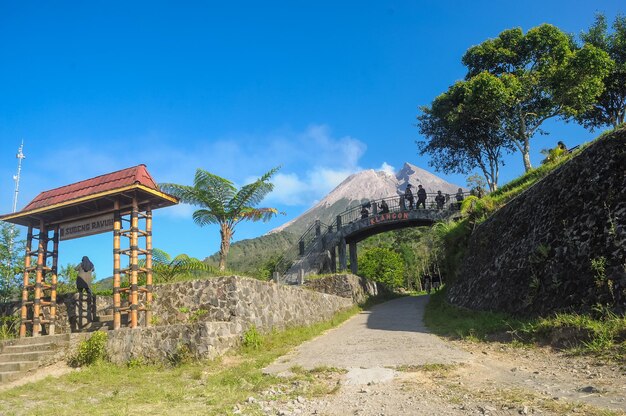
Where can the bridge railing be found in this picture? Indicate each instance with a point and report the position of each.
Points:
(306, 241)
(398, 203)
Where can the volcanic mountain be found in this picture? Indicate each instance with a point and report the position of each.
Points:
(364, 186)
(247, 256)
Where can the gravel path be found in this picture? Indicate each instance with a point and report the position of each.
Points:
(394, 366)
(368, 345)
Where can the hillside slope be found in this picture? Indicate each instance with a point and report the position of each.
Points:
(558, 246)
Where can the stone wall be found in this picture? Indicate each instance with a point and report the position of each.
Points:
(558, 246)
(71, 311)
(207, 317)
(357, 288)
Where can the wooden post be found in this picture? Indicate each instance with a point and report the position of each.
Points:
(39, 279)
(148, 266)
(134, 228)
(26, 282)
(53, 281)
(117, 227)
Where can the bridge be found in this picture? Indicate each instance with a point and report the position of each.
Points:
(326, 248)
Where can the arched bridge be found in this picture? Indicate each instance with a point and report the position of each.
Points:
(326, 248)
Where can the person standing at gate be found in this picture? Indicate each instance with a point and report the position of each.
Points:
(85, 271)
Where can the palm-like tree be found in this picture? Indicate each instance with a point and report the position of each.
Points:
(166, 269)
(222, 203)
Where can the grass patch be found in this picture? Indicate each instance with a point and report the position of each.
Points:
(602, 337)
(206, 387)
(448, 320)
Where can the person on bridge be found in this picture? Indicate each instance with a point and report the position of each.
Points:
(384, 208)
(364, 212)
(440, 200)
(459, 197)
(408, 195)
(421, 197)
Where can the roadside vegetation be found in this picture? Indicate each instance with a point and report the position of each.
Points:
(603, 336)
(186, 386)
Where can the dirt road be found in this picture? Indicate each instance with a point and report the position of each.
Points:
(394, 366)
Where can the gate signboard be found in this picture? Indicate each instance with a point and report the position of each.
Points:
(86, 226)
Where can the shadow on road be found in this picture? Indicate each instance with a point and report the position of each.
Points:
(402, 314)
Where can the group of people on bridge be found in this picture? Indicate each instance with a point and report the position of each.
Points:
(409, 202)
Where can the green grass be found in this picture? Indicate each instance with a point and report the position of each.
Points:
(448, 320)
(197, 388)
(603, 337)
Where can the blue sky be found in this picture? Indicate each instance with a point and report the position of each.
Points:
(322, 88)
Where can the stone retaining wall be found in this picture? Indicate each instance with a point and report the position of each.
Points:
(207, 317)
(558, 246)
(357, 288)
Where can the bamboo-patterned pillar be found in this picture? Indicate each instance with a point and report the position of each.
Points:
(148, 266)
(117, 232)
(26, 282)
(53, 281)
(39, 277)
(134, 267)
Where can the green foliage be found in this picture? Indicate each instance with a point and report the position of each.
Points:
(9, 327)
(514, 83)
(221, 203)
(382, 265)
(445, 319)
(251, 338)
(90, 350)
(180, 268)
(197, 315)
(67, 276)
(11, 261)
(553, 155)
(181, 356)
(609, 108)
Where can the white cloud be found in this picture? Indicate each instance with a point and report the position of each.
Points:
(387, 168)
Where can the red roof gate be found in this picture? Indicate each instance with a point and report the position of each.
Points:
(120, 201)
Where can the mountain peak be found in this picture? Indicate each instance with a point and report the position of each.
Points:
(364, 186)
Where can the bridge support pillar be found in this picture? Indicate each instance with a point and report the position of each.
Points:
(333, 260)
(343, 264)
(354, 268)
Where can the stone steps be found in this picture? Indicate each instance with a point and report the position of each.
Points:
(20, 356)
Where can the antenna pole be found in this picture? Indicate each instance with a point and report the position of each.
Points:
(20, 156)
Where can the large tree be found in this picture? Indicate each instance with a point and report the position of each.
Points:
(548, 77)
(462, 127)
(223, 204)
(609, 108)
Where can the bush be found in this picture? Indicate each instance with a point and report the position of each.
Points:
(382, 265)
(90, 350)
(252, 338)
(8, 327)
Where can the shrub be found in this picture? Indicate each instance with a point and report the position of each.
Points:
(8, 327)
(383, 265)
(252, 338)
(90, 350)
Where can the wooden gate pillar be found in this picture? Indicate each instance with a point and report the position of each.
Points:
(117, 233)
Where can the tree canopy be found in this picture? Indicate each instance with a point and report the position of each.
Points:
(382, 265)
(514, 83)
(223, 204)
(609, 107)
